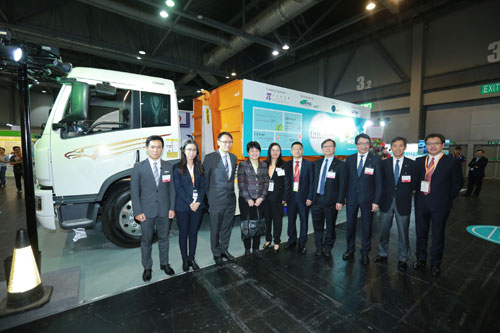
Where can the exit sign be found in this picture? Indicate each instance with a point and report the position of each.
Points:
(490, 88)
(369, 105)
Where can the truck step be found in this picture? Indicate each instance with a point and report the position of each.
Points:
(77, 223)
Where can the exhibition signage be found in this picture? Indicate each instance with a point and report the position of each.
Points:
(367, 105)
(276, 114)
(490, 88)
(487, 232)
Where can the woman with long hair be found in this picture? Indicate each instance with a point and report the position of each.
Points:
(189, 182)
(252, 183)
(277, 195)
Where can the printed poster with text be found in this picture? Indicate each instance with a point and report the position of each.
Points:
(275, 114)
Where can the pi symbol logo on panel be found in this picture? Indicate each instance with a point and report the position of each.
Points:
(487, 232)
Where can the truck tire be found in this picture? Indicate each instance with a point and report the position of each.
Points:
(118, 223)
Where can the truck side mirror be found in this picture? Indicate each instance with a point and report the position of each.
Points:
(79, 102)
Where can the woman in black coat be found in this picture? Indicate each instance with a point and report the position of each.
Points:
(277, 195)
(189, 181)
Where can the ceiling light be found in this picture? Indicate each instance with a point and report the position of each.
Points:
(227, 77)
(285, 47)
(164, 14)
(382, 123)
(142, 52)
(138, 58)
(170, 3)
(370, 5)
(275, 53)
(198, 91)
(368, 123)
(233, 74)
(44, 91)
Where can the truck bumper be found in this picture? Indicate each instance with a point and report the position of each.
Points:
(45, 208)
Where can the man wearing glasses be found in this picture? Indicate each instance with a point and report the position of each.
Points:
(220, 169)
(364, 191)
(440, 180)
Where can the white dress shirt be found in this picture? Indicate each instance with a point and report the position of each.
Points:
(223, 156)
(436, 159)
(394, 164)
(364, 159)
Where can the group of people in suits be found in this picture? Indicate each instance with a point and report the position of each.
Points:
(363, 183)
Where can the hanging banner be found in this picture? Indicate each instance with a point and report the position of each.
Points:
(207, 138)
(275, 114)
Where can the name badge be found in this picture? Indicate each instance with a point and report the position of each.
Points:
(295, 186)
(369, 171)
(165, 178)
(330, 174)
(424, 186)
(280, 172)
(406, 179)
(271, 186)
(195, 195)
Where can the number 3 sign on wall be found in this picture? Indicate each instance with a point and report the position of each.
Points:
(495, 52)
(363, 84)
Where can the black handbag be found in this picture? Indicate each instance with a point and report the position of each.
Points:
(253, 228)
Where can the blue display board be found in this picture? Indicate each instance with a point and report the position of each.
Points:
(267, 122)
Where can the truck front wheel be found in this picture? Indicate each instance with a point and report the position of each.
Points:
(118, 223)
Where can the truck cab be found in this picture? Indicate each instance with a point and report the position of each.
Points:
(95, 133)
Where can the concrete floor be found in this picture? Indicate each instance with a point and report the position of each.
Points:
(295, 293)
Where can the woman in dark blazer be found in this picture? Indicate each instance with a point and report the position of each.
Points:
(277, 195)
(189, 182)
(253, 182)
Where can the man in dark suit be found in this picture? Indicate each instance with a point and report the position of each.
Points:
(363, 191)
(476, 173)
(440, 178)
(153, 200)
(300, 178)
(398, 179)
(329, 186)
(220, 167)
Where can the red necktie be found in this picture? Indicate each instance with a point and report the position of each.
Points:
(428, 175)
(296, 174)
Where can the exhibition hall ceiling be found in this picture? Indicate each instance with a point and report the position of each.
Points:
(202, 42)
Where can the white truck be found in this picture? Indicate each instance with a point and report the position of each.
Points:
(95, 133)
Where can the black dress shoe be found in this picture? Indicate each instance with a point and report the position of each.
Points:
(435, 271)
(327, 253)
(257, 254)
(146, 276)
(365, 260)
(219, 261)
(266, 246)
(419, 264)
(348, 255)
(228, 256)
(195, 266)
(318, 252)
(185, 266)
(402, 266)
(302, 250)
(379, 258)
(290, 245)
(167, 269)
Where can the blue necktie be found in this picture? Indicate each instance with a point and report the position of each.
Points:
(323, 178)
(396, 172)
(227, 167)
(360, 165)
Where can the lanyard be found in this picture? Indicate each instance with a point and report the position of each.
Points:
(427, 170)
(191, 173)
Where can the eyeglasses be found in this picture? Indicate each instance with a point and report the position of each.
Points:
(191, 149)
(226, 142)
(433, 143)
(329, 146)
(363, 144)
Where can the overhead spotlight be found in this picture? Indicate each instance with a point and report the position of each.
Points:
(142, 52)
(18, 54)
(44, 91)
(170, 3)
(371, 5)
(227, 77)
(198, 91)
(382, 123)
(275, 53)
(164, 14)
(233, 74)
(368, 123)
(138, 58)
(9, 124)
(285, 47)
